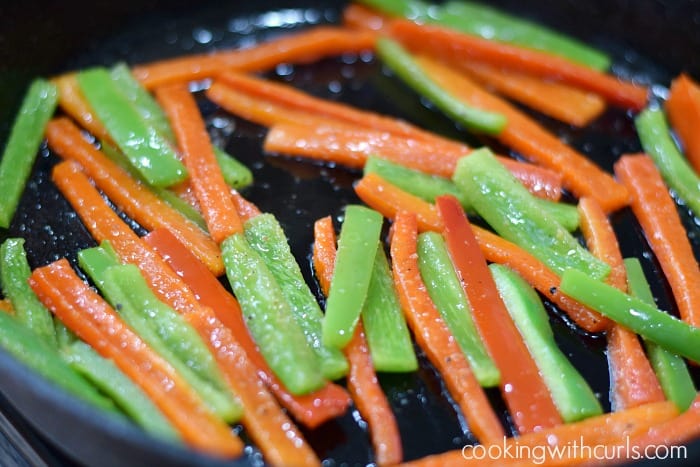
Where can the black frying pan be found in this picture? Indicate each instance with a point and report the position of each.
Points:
(650, 41)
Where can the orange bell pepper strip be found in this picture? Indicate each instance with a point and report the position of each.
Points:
(351, 147)
(580, 174)
(310, 410)
(73, 103)
(357, 16)
(198, 155)
(269, 427)
(683, 110)
(633, 381)
(362, 379)
(456, 47)
(302, 47)
(83, 311)
(557, 100)
(602, 430)
(137, 201)
(656, 212)
(433, 336)
(682, 429)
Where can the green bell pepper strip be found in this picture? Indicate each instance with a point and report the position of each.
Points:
(671, 370)
(148, 151)
(269, 318)
(405, 67)
(445, 289)
(570, 392)
(34, 352)
(265, 235)
(428, 187)
(23, 144)
(646, 320)
(141, 100)
(656, 140)
(177, 203)
(161, 328)
(508, 207)
(385, 326)
(411, 9)
(492, 24)
(106, 376)
(236, 175)
(14, 276)
(357, 248)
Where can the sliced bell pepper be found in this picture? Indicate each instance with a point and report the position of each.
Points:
(357, 248)
(402, 64)
(148, 151)
(23, 145)
(445, 289)
(509, 209)
(571, 393)
(265, 235)
(656, 140)
(671, 370)
(28, 309)
(269, 318)
(636, 314)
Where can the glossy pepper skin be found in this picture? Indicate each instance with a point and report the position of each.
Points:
(384, 324)
(149, 152)
(655, 136)
(636, 314)
(402, 63)
(445, 289)
(163, 329)
(671, 370)
(23, 144)
(571, 393)
(235, 173)
(265, 235)
(14, 276)
(489, 23)
(269, 318)
(428, 187)
(357, 248)
(508, 207)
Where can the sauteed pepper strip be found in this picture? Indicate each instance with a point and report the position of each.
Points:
(14, 273)
(445, 289)
(637, 315)
(160, 327)
(509, 209)
(269, 318)
(428, 187)
(23, 145)
(149, 152)
(671, 370)
(678, 174)
(571, 393)
(357, 248)
(265, 235)
(403, 65)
